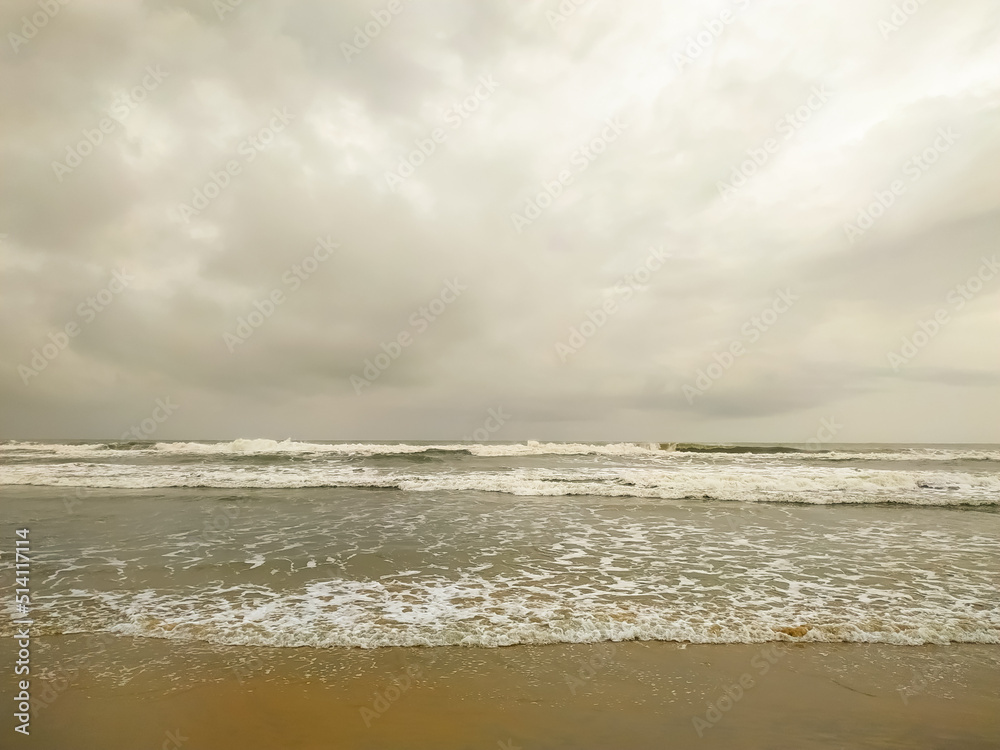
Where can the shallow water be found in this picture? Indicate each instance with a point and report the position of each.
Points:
(500, 545)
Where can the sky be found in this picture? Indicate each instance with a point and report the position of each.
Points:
(747, 221)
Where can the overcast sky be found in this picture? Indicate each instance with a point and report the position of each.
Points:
(697, 189)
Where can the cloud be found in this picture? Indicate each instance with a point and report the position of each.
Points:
(690, 122)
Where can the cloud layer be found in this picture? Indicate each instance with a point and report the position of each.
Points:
(620, 193)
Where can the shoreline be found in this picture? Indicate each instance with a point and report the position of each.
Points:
(634, 694)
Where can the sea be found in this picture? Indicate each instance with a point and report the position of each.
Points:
(259, 542)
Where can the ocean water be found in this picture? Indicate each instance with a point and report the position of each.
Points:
(257, 542)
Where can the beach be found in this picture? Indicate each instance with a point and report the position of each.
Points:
(500, 375)
(625, 695)
(312, 595)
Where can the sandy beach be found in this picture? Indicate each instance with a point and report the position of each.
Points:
(149, 693)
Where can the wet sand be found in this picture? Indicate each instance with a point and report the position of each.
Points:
(147, 693)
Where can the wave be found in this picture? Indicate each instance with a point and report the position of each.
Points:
(787, 484)
(662, 451)
(708, 448)
(245, 446)
(529, 448)
(484, 613)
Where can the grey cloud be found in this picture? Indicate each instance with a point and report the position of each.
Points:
(657, 184)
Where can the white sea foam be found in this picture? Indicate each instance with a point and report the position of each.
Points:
(530, 448)
(822, 485)
(263, 446)
(479, 612)
(431, 568)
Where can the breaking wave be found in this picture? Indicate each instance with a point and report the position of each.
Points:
(827, 485)
(480, 612)
(264, 446)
